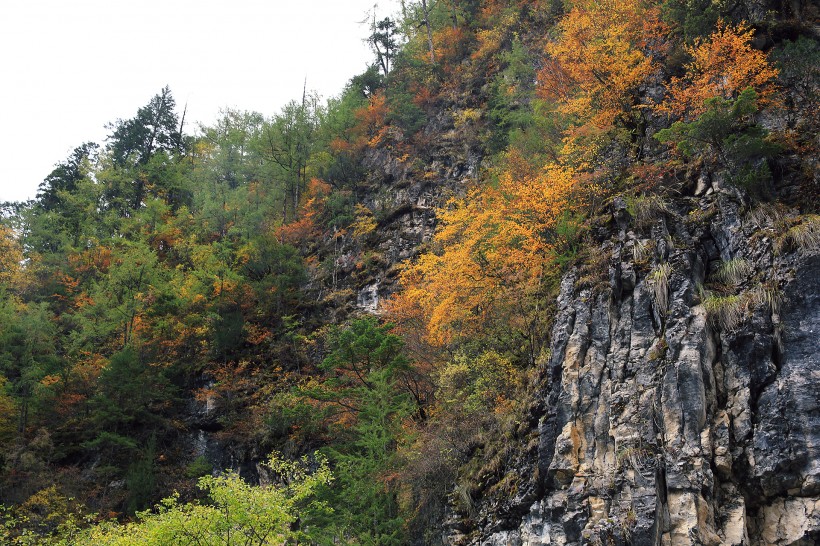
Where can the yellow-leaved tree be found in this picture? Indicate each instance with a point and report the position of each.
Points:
(491, 253)
(604, 52)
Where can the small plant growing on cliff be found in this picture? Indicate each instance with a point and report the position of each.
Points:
(658, 351)
(766, 215)
(646, 209)
(642, 250)
(199, 467)
(724, 312)
(767, 295)
(658, 283)
(805, 236)
(733, 272)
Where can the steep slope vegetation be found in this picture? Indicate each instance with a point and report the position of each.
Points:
(588, 233)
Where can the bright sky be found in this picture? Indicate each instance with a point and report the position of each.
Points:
(68, 67)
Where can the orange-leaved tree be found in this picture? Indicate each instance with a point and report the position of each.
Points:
(723, 65)
(605, 51)
(491, 253)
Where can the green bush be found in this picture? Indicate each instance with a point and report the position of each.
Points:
(726, 138)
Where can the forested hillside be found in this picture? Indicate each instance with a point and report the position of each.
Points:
(542, 261)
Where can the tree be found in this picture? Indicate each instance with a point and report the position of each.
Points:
(604, 53)
(383, 42)
(65, 177)
(286, 144)
(366, 364)
(723, 65)
(492, 252)
(232, 156)
(236, 513)
(28, 353)
(726, 137)
(155, 129)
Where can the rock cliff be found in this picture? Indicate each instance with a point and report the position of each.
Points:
(679, 402)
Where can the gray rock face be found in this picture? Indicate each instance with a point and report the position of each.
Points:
(663, 424)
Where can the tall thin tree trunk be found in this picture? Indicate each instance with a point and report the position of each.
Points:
(429, 31)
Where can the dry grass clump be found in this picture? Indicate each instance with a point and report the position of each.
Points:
(734, 271)
(727, 311)
(658, 283)
(647, 209)
(804, 237)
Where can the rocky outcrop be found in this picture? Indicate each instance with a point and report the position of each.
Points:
(669, 415)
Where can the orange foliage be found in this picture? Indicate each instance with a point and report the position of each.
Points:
(305, 228)
(450, 44)
(494, 251)
(370, 122)
(93, 260)
(723, 65)
(339, 145)
(603, 55)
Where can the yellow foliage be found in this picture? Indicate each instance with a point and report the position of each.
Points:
(490, 39)
(604, 53)
(11, 258)
(494, 250)
(364, 224)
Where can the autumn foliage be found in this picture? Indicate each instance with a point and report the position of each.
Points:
(604, 53)
(492, 252)
(722, 66)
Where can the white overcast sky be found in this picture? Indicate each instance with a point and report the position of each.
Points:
(68, 67)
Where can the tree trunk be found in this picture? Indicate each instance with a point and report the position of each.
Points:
(429, 31)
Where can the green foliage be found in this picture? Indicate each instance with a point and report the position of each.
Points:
(475, 387)
(695, 18)
(800, 76)
(154, 129)
(568, 233)
(365, 362)
(65, 177)
(726, 137)
(404, 112)
(383, 41)
(510, 111)
(140, 479)
(236, 513)
(725, 312)
(339, 210)
(28, 338)
(276, 273)
(364, 348)
(198, 467)
(128, 408)
(365, 504)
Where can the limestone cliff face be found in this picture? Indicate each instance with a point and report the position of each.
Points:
(668, 416)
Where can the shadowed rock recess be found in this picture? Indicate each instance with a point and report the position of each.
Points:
(667, 415)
